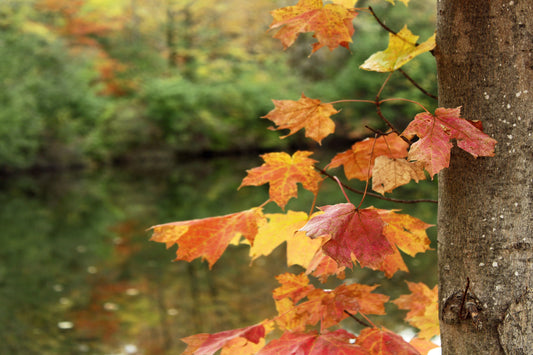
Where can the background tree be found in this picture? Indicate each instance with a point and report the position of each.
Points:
(485, 64)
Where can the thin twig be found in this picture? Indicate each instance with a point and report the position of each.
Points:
(416, 85)
(378, 132)
(377, 102)
(395, 200)
(342, 189)
(365, 324)
(379, 21)
(464, 299)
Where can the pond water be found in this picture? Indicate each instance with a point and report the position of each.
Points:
(78, 273)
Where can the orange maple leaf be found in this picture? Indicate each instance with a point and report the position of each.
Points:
(332, 23)
(312, 343)
(358, 161)
(208, 237)
(403, 232)
(306, 113)
(422, 304)
(384, 342)
(326, 306)
(436, 133)
(283, 172)
(208, 344)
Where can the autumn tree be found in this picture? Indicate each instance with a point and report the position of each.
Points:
(483, 54)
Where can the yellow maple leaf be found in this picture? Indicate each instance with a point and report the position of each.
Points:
(347, 3)
(402, 48)
(279, 228)
(405, 2)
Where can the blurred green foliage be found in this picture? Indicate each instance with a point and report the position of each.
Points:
(110, 94)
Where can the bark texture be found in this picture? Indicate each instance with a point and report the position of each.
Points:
(485, 64)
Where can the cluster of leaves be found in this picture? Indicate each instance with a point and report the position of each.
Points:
(337, 236)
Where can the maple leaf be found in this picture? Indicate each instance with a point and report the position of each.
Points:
(405, 2)
(279, 228)
(388, 173)
(241, 346)
(346, 3)
(423, 346)
(307, 113)
(326, 306)
(208, 237)
(384, 342)
(435, 133)
(353, 232)
(322, 266)
(406, 233)
(292, 286)
(402, 48)
(311, 343)
(207, 344)
(331, 24)
(283, 172)
(301, 250)
(359, 161)
(422, 304)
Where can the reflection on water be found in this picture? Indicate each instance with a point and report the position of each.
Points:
(78, 275)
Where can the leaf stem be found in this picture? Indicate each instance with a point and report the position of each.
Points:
(342, 189)
(368, 171)
(395, 200)
(314, 199)
(406, 100)
(351, 100)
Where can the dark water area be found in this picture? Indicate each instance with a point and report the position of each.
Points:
(78, 274)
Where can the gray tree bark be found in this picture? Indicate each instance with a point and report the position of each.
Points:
(485, 64)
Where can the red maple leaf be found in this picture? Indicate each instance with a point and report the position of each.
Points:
(208, 344)
(383, 342)
(332, 23)
(307, 113)
(283, 172)
(435, 133)
(353, 232)
(358, 161)
(312, 343)
(208, 237)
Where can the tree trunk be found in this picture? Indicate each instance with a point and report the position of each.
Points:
(485, 64)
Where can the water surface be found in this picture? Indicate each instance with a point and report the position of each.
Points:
(79, 275)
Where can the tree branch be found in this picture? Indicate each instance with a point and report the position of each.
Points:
(323, 172)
